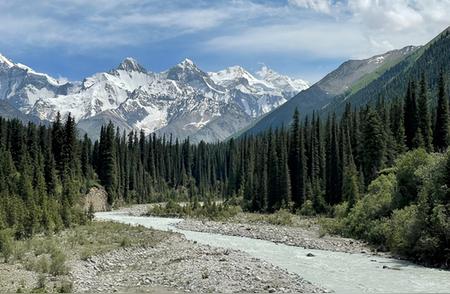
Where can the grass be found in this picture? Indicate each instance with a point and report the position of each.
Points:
(49, 256)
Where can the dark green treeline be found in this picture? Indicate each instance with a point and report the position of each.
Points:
(310, 165)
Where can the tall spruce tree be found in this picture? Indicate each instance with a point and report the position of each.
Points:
(297, 161)
(441, 129)
(410, 115)
(424, 117)
(374, 145)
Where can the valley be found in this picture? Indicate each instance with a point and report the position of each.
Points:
(166, 255)
(225, 175)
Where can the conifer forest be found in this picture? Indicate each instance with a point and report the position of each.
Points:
(316, 165)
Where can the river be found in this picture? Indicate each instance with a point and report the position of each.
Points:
(338, 271)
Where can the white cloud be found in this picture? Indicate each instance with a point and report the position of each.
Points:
(193, 19)
(317, 40)
(352, 28)
(324, 6)
(316, 28)
(89, 24)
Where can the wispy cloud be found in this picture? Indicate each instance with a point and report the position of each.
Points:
(102, 23)
(352, 28)
(221, 29)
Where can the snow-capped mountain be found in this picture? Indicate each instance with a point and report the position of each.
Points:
(183, 100)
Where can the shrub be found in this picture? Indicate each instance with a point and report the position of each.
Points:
(404, 230)
(280, 217)
(65, 287)
(307, 208)
(125, 242)
(58, 263)
(6, 244)
(369, 212)
(42, 265)
(42, 280)
(408, 181)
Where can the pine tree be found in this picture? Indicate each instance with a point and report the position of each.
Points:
(58, 142)
(410, 115)
(424, 117)
(297, 162)
(374, 145)
(107, 156)
(333, 165)
(273, 191)
(283, 177)
(441, 129)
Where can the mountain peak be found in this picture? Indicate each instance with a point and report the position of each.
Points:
(266, 72)
(187, 63)
(236, 69)
(232, 74)
(130, 64)
(6, 61)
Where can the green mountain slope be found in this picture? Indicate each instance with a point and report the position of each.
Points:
(363, 81)
(429, 60)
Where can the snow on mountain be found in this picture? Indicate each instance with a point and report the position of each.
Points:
(5, 62)
(22, 87)
(183, 100)
(288, 85)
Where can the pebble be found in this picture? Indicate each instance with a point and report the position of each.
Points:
(293, 236)
(179, 264)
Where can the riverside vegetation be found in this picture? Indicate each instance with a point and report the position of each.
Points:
(44, 263)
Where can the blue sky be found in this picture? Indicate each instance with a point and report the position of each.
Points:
(303, 38)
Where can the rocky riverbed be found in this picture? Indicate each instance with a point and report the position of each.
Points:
(289, 235)
(306, 236)
(178, 265)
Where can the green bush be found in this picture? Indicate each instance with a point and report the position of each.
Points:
(340, 210)
(42, 264)
(307, 208)
(6, 244)
(209, 210)
(408, 181)
(406, 211)
(65, 287)
(404, 230)
(280, 217)
(58, 263)
(365, 219)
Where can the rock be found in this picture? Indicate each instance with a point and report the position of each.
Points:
(310, 254)
(200, 269)
(391, 268)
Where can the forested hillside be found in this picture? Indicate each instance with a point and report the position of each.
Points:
(308, 167)
(389, 80)
(428, 60)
